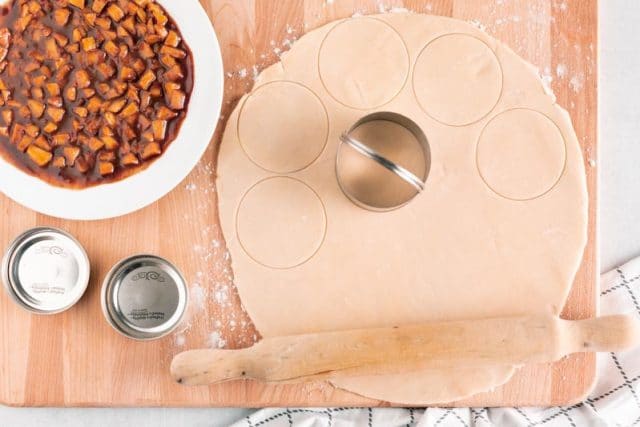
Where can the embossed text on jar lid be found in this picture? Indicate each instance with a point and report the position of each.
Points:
(45, 270)
(144, 297)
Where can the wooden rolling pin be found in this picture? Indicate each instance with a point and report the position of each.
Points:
(474, 343)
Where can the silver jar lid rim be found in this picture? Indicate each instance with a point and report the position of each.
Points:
(45, 270)
(144, 297)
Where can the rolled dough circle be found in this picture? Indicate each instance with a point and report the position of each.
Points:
(269, 127)
(457, 79)
(281, 222)
(363, 63)
(521, 154)
(456, 251)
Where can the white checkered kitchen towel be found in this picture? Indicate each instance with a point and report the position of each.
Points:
(615, 401)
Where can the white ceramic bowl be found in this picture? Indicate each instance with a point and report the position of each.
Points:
(165, 173)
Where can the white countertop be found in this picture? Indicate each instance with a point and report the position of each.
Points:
(619, 90)
(619, 163)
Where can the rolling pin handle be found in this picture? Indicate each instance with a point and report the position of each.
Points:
(603, 334)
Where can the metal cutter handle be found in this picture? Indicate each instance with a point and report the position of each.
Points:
(403, 173)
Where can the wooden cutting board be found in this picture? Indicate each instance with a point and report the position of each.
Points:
(76, 359)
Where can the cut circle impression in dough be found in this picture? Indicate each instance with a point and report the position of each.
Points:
(269, 127)
(363, 63)
(521, 154)
(457, 79)
(273, 211)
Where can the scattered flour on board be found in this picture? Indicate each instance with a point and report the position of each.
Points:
(180, 340)
(547, 79)
(382, 8)
(479, 25)
(214, 316)
(215, 340)
(561, 70)
(243, 73)
(197, 296)
(399, 10)
(576, 82)
(221, 294)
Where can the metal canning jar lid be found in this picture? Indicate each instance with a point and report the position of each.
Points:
(144, 297)
(45, 270)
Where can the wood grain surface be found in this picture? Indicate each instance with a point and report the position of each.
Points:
(76, 359)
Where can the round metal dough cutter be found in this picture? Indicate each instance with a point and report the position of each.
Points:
(383, 161)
